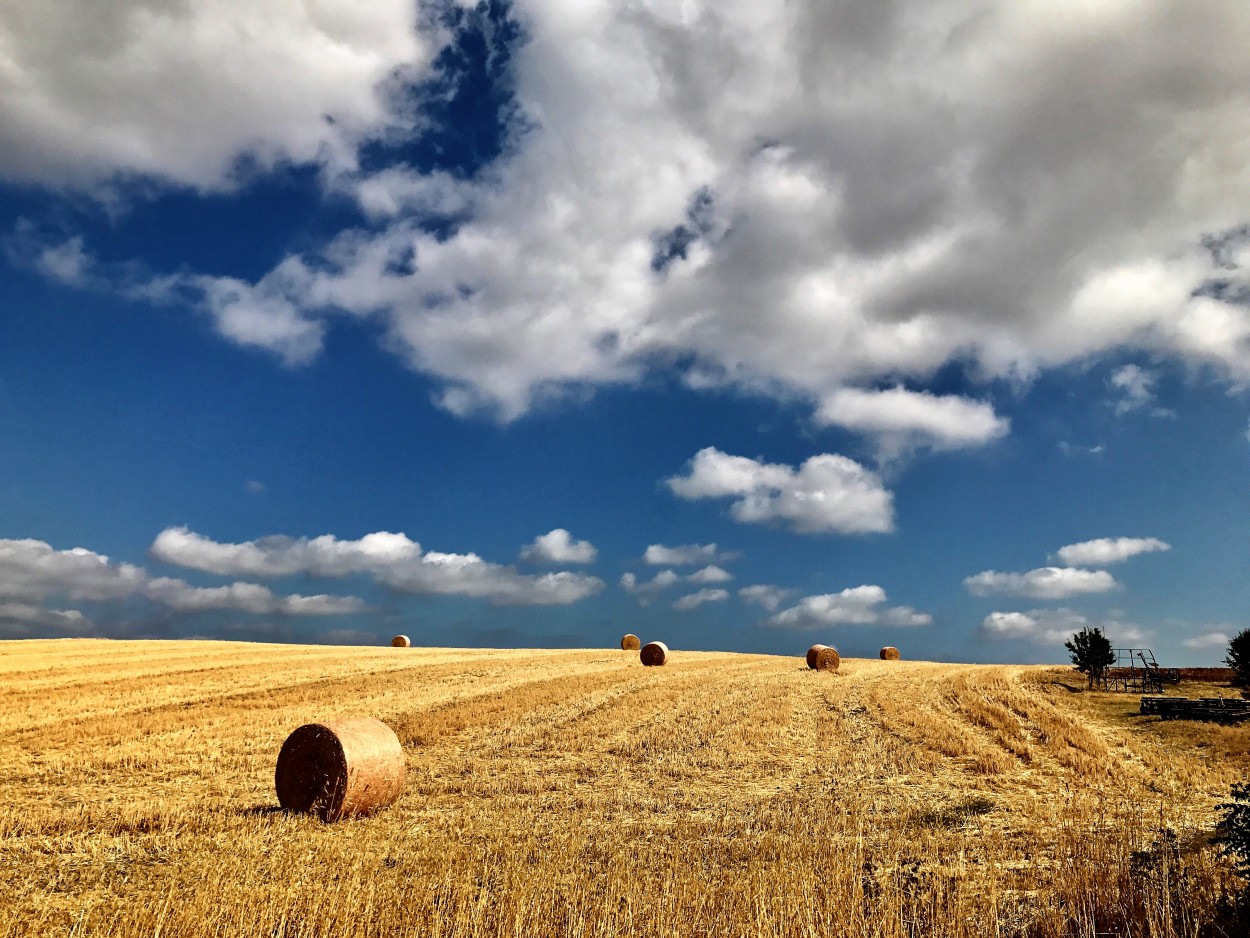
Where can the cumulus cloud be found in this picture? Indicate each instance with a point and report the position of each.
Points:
(247, 597)
(558, 546)
(710, 574)
(827, 493)
(1104, 550)
(694, 600)
(188, 92)
(279, 555)
(1054, 626)
(902, 420)
(1208, 640)
(859, 605)
(646, 590)
(685, 555)
(764, 594)
(904, 617)
(1042, 583)
(391, 559)
(792, 198)
(31, 570)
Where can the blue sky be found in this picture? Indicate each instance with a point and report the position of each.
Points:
(739, 325)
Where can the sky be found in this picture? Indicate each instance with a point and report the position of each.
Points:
(740, 325)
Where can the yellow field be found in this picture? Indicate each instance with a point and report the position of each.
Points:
(578, 793)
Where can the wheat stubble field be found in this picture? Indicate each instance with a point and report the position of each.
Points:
(578, 793)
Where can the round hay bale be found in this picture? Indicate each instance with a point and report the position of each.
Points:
(401, 641)
(630, 642)
(827, 659)
(654, 654)
(812, 653)
(341, 768)
(889, 653)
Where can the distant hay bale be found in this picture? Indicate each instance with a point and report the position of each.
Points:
(401, 641)
(889, 653)
(631, 642)
(823, 658)
(654, 654)
(341, 768)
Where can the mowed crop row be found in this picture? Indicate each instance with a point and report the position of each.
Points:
(579, 793)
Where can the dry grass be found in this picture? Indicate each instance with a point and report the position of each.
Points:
(578, 793)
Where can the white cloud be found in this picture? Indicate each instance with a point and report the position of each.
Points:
(905, 617)
(1208, 640)
(1104, 550)
(262, 316)
(710, 574)
(186, 91)
(1135, 386)
(31, 570)
(903, 420)
(685, 555)
(827, 493)
(794, 198)
(646, 590)
(558, 546)
(859, 605)
(694, 600)
(1009, 624)
(247, 597)
(763, 594)
(1055, 626)
(1042, 583)
(855, 605)
(282, 556)
(392, 559)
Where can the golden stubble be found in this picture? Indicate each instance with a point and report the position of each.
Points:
(580, 793)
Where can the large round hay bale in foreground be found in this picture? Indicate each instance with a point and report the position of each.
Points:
(401, 641)
(889, 653)
(340, 768)
(654, 654)
(823, 658)
(631, 642)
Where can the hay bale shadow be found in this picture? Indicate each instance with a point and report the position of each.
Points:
(261, 810)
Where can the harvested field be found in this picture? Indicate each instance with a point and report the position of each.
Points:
(581, 793)
(1207, 675)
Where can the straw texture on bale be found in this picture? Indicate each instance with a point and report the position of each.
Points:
(340, 768)
(823, 658)
(631, 642)
(889, 653)
(401, 641)
(654, 654)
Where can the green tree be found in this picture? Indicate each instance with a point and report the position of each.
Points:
(1238, 658)
(1091, 653)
